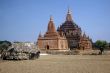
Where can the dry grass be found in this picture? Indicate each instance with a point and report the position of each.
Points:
(59, 64)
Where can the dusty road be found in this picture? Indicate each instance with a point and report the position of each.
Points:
(59, 64)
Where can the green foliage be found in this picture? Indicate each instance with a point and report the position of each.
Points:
(101, 45)
(4, 45)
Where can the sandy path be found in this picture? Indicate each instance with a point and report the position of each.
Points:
(59, 64)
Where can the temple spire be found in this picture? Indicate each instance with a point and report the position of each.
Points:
(51, 31)
(51, 18)
(51, 26)
(69, 12)
(40, 35)
(84, 35)
(69, 16)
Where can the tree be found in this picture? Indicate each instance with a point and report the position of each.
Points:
(4, 45)
(101, 45)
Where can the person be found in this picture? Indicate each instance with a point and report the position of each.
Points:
(101, 50)
(38, 54)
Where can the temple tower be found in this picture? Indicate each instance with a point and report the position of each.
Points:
(71, 30)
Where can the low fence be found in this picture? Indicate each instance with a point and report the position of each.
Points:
(75, 52)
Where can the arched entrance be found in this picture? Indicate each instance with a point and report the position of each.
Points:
(83, 48)
(47, 47)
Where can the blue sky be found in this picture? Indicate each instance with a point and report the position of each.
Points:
(22, 20)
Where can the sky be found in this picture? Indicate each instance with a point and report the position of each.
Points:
(23, 20)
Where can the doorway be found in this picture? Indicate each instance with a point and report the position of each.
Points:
(47, 47)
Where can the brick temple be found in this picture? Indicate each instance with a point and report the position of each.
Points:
(68, 36)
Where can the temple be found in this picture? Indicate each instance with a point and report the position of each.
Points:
(68, 36)
(51, 39)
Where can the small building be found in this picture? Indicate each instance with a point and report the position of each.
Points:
(51, 40)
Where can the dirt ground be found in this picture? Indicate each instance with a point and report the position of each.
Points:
(59, 64)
